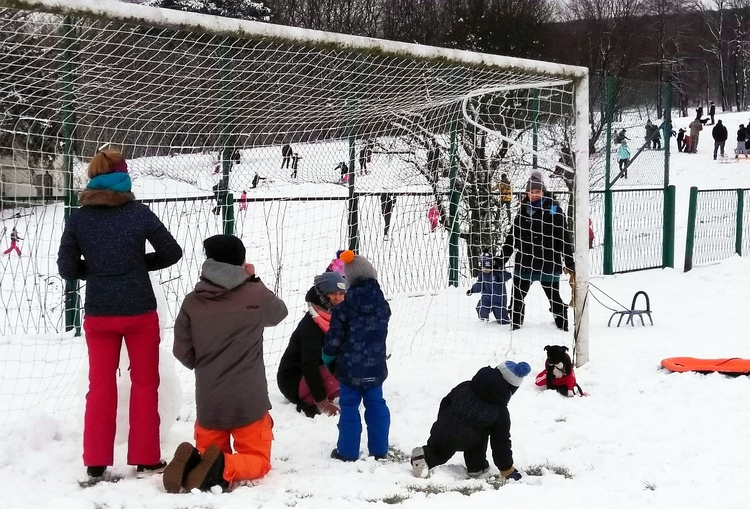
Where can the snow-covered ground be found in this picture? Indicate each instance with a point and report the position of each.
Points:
(644, 437)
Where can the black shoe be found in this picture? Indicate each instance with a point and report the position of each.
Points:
(335, 455)
(186, 458)
(515, 326)
(142, 471)
(209, 472)
(95, 472)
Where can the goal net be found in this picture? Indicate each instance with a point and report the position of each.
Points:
(301, 143)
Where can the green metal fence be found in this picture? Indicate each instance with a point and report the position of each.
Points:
(718, 225)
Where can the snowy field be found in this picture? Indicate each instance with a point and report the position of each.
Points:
(642, 438)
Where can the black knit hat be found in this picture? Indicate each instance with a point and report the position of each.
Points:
(225, 249)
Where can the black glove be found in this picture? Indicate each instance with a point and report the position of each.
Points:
(468, 292)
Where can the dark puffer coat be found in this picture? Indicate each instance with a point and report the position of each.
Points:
(104, 243)
(356, 339)
(541, 240)
(473, 411)
(302, 357)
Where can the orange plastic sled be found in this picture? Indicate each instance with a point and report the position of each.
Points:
(733, 365)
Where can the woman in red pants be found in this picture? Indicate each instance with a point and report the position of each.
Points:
(104, 243)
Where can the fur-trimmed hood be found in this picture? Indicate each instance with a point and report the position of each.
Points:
(104, 197)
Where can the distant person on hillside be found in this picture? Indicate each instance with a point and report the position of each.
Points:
(256, 180)
(243, 200)
(344, 171)
(696, 126)
(506, 194)
(387, 201)
(719, 133)
(433, 216)
(711, 113)
(688, 141)
(295, 164)
(286, 155)
(681, 139)
(620, 137)
(741, 137)
(14, 238)
(623, 158)
(365, 157)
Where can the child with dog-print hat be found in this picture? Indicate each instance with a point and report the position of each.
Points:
(473, 413)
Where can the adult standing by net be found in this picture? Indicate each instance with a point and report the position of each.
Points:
(540, 238)
(104, 243)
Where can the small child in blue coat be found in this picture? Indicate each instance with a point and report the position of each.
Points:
(356, 342)
(491, 283)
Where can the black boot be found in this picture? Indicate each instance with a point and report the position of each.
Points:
(561, 320)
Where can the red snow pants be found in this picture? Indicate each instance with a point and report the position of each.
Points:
(104, 335)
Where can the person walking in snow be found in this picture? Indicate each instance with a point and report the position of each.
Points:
(474, 413)
(104, 243)
(14, 238)
(720, 135)
(218, 334)
(623, 159)
(295, 163)
(696, 126)
(741, 137)
(712, 112)
(681, 139)
(286, 155)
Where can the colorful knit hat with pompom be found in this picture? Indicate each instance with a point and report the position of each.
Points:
(357, 267)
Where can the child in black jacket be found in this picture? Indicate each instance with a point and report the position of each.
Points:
(472, 413)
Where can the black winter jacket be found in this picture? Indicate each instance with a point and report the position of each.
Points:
(540, 239)
(475, 410)
(104, 243)
(303, 357)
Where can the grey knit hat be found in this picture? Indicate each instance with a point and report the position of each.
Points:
(536, 181)
(329, 282)
(357, 267)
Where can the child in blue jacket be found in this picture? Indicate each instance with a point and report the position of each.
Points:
(491, 283)
(355, 342)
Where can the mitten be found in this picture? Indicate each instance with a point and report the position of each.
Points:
(468, 292)
(326, 407)
(512, 473)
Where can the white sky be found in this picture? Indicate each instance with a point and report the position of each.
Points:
(642, 438)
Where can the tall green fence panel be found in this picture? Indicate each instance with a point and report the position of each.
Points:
(718, 226)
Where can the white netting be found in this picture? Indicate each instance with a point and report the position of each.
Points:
(424, 134)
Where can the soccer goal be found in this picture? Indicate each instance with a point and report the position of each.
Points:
(299, 142)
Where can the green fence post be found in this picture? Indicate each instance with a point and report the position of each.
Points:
(225, 199)
(353, 201)
(667, 92)
(690, 241)
(608, 250)
(535, 126)
(740, 214)
(453, 257)
(669, 228)
(72, 295)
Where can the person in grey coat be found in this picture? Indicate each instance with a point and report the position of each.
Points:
(218, 334)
